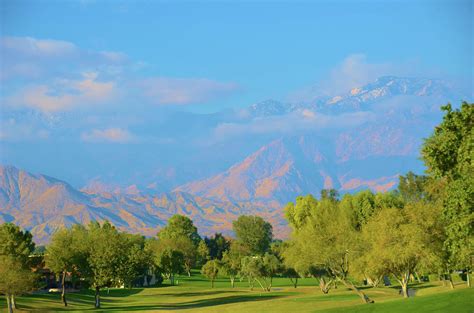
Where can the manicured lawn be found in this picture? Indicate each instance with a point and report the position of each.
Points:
(195, 295)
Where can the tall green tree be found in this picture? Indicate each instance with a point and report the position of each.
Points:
(217, 244)
(180, 226)
(260, 269)
(16, 243)
(449, 155)
(297, 213)
(230, 265)
(137, 259)
(189, 251)
(16, 246)
(167, 258)
(329, 239)
(203, 254)
(66, 254)
(107, 252)
(402, 241)
(412, 187)
(15, 279)
(254, 233)
(210, 270)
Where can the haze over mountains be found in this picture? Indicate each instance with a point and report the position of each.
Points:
(217, 166)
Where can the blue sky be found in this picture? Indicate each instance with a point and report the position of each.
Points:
(258, 50)
(108, 83)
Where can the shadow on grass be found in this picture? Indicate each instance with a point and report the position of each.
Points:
(197, 294)
(198, 303)
(113, 305)
(203, 303)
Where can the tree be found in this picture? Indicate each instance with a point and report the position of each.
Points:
(298, 216)
(16, 244)
(203, 252)
(167, 258)
(330, 194)
(459, 219)
(217, 245)
(64, 255)
(297, 213)
(189, 251)
(272, 266)
(15, 279)
(278, 249)
(260, 269)
(137, 259)
(180, 226)
(251, 268)
(106, 253)
(254, 233)
(210, 270)
(230, 265)
(412, 187)
(403, 241)
(448, 154)
(329, 240)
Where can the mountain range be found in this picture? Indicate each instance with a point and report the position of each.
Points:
(246, 161)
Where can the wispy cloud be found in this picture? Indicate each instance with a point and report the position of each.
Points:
(55, 75)
(65, 94)
(29, 46)
(115, 135)
(354, 71)
(12, 129)
(294, 122)
(32, 58)
(162, 90)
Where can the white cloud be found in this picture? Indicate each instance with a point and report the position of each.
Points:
(32, 58)
(162, 90)
(116, 135)
(37, 47)
(354, 71)
(57, 75)
(304, 120)
(64, 94)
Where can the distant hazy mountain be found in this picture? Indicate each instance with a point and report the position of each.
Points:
(220, 165)
(372, 154)
(42, 204)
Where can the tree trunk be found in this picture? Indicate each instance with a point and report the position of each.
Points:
(294, 282)
(263, 288)
(450, 279)
(212, 283)
(418, 277)
(63, 287)
(189, 273)
(172, 279)
(468, 279)
(362, 295)
(14, 306)
(232, 279)
(405, 289)
(324, 286)
(9, 303)
(97, 297)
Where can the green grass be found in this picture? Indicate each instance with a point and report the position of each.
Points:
(195, 295)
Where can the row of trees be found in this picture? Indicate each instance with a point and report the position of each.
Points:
(425, 226)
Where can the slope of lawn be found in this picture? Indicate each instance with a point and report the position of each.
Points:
(195, 295)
